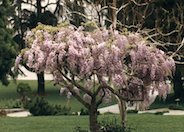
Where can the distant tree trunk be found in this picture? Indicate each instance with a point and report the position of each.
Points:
(39, 8)
(41, 84)
(93, 113)
(177, 81)
(40, 76)
(114, 17)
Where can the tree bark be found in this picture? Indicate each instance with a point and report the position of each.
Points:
(122, 109)
(177, 81)
(114, 17)
(94, 127)
(41, 84)
(39, 7)
(40, 76)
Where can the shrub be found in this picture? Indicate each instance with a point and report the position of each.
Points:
(17, 104)
(2, 113)
(176, 107)
(24, 90)
(161, 112)
(113, 126)
(11, 103)
(39, 106)
(62, 110)
(132, 111)
(84, 112)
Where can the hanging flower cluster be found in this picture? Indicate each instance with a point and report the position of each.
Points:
(101, 57)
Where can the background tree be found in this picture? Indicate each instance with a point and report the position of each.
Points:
(7, 45)
(98, 63)
(73, 11)
(28, 18)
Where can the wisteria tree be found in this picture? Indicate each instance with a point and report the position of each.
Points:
(95, 65)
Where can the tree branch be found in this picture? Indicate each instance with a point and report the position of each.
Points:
(28, 3)
(28, 68)
(182, 44)
(120, 96)
(74, 83)
(101, 98)
(70, 88)
(138, 4)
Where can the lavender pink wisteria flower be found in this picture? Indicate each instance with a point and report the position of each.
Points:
(99, 63)
(102, 54)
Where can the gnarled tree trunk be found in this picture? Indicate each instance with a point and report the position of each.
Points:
(122, 109)
(93, 113)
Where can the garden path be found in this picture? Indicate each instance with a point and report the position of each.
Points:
(111, 109)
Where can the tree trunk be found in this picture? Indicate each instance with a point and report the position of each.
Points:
(41, 84)
(122, 109)
(177, 81)
(39, 7)
(114, 17)
(94, 127)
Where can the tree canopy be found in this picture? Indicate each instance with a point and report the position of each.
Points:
(99, 63)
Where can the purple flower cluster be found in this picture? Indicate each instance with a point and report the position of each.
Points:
(113, 59)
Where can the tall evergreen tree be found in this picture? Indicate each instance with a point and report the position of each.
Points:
(7, 45)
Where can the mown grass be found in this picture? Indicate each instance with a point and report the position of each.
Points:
(137, 123)
(8, 95)
(156, 123)
(43, 124)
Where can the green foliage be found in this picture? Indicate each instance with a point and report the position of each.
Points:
(176, 107)
(23, 89)
(90, 26)
(11, 103)
(40, 107)
(15, 104)
(47, 28)
(2, 113)
(161, 112)
(84, 112)
(132, 111)
(7, 45)
(62, 110)
(113, 125)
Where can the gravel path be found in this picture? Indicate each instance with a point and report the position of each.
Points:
(112, 109)
(31, 75)
(115, 109)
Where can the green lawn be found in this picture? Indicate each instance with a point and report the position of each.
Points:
(156, 123)
(139, 123)
(8, 95)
